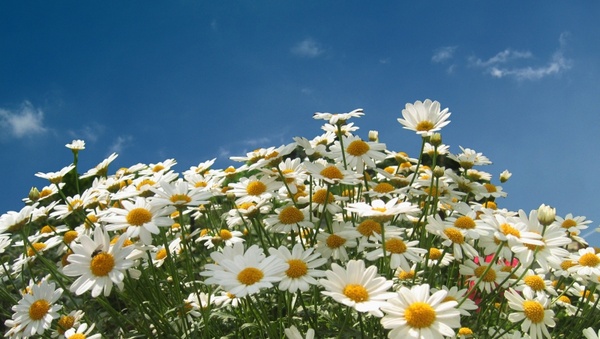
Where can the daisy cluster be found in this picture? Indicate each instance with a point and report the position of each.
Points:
(334, 236)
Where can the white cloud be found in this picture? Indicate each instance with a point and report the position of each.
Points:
(89, 133)
(307, 48)
(120, 143)
(27, 121)
(443, 53)
(502, 65)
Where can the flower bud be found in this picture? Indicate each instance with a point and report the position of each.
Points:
(34, 194)
(374, 136)
(546, 215)
(504, 176)
(436, 139)
(438, 172)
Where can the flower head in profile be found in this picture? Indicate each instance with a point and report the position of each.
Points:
(98, 264)
(76, 145)
(341, 118)
(425, 118)
(357, 287)
(415, 313)
(37, 309)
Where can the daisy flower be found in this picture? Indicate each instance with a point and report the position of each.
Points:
(454, 236)
(55, 177)
(383, 211)
(302, 267)
(68, 321)
(532, 311)
(140, 218)
(590, 333)
(341, 118)
(535, 283)
(334, 245)
(101, 169)
(244, 273)
(37, 309)
(454, 294)
(424, 118)
(357, 287)
(357, 153)
(415, 313)
(587, 262)
(288, 218)
(254, 189)
(12, 221)
(402, 254)
(98, 264)
(331, 173)
(488, 282)
(293, 333)
(76, 145)
(159, 167)
(574, 225)
(224, 235)
(323, 200)
(82, 332)
(179, 194)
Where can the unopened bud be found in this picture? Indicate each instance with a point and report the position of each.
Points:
(438, 172)
(34, 194)
(436, 139)
(374, 136)
(546, 215)
(504, 176)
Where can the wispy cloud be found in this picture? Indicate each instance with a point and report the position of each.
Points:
(89, 133)
(502, 65)
(443, 53)
(26, 121)
(120, 143)
(307, 48)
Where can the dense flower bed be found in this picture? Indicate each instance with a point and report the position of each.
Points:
(335, 236)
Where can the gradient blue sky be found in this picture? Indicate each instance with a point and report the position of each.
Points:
(191, 80)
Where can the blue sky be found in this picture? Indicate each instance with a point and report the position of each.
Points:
(154, 80)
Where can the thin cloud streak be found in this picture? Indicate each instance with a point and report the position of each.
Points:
(307, 48)
(443, 53)
(27, 121)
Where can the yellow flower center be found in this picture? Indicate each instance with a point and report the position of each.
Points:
(454, 235)
(395, 245)
(78, 336)
(36, 247)
(508, 229)
(145, 182)
(64, 323)
(490, 188)
(465, 331)
(564, 299)
(491, 205)
(565, 265)
(320, 197)
(250, 276)
(490, 276)
(335, 241)
(534, 311)
(369, 227)
(435, 254)
(75, 204)
(158, 168)
(69, 236)
(161, 254)
(180, 199)
(406, 275)
(297, 268)
(383, 187)
(424, 126)
(90, 220)
(225, 234)
(45, 192)
(358, 148)
(256, 188)
(419, 315)
(535, 282)
(589, 259)
(291, 215)
(47, 229)
(587, 295)
(465, 222)
(568, 223)
(38, 309)
(358, 293)
(102, 263)
(332, 172)
(138, 216)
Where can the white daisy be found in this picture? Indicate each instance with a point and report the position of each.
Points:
(414, 313)
(357, 287)
(82, 332)
(293, 333)
(425, 118)
(288, 218)
(341, 118)
(532, 311)
(140, 219)
(254, 189)
(244, 273)
(331, 173)
(383, 211)
(590, 333)
(587, 262)
(302, 267)
(402, 254)
(37, 309)
(76, 145)
(98, 264)
(55, 177)
(574, 225)
(334, 245)
(179, 194)
(357, 154)
(101, 169)
(489, 275)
